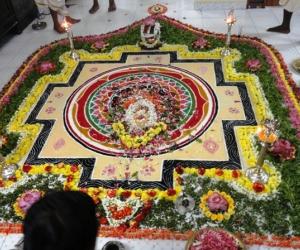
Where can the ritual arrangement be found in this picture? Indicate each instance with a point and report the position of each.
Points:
(175, 132)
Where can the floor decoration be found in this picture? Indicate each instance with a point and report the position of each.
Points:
(157, 9)
(160, 139)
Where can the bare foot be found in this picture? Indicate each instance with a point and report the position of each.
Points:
(59, 29)
(279, 29)
(72, 20)
(94, 8)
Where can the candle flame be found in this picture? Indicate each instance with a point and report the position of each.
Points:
(66, 25)
(259, 129)
(230, 17)
(265, 134)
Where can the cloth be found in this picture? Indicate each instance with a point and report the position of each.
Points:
(290, 5)
(57, 5)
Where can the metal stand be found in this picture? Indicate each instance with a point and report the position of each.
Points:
(73, 53)
(258, 174)
(226, 51)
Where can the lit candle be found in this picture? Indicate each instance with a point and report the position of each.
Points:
(230, 20)
(267, 135)
(67, 26)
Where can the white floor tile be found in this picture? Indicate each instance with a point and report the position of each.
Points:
(10, 241)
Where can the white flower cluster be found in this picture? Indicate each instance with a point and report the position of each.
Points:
(140, 115)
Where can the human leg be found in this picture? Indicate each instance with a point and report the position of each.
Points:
(56, 25)
(95, 7)
(72, 20)
(285, 26)
(112, 5)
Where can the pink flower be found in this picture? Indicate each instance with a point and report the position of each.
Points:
(253, 65)
(200, 43)
(100, 44)
(27, 199)
(216, 202)
(46, 67)
(284, 149)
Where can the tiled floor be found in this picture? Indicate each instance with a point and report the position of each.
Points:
(250, 22)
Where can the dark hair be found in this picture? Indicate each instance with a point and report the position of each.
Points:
(61, 221)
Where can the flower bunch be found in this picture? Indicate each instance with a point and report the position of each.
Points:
(45, 67)
(99, 45)
(26, 200)
(201, 43)
(217, 205)
(138, 141)
(284, 149)
(253, 65)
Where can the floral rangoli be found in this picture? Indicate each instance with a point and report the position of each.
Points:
(140, 131)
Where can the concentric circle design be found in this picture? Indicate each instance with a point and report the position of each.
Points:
(140, 96)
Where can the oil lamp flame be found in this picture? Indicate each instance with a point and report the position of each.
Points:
(231, 19)
(66, 25)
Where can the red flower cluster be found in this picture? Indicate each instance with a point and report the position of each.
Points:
(141, 215)
(258, 187)
(120, 214)
(26, 168)
(171, 192)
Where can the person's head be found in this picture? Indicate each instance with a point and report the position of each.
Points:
(61, 221)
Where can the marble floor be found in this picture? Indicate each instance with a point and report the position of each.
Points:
(252, 22)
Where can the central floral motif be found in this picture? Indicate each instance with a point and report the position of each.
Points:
(140, 110)
(141, 120)
(140, 115)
